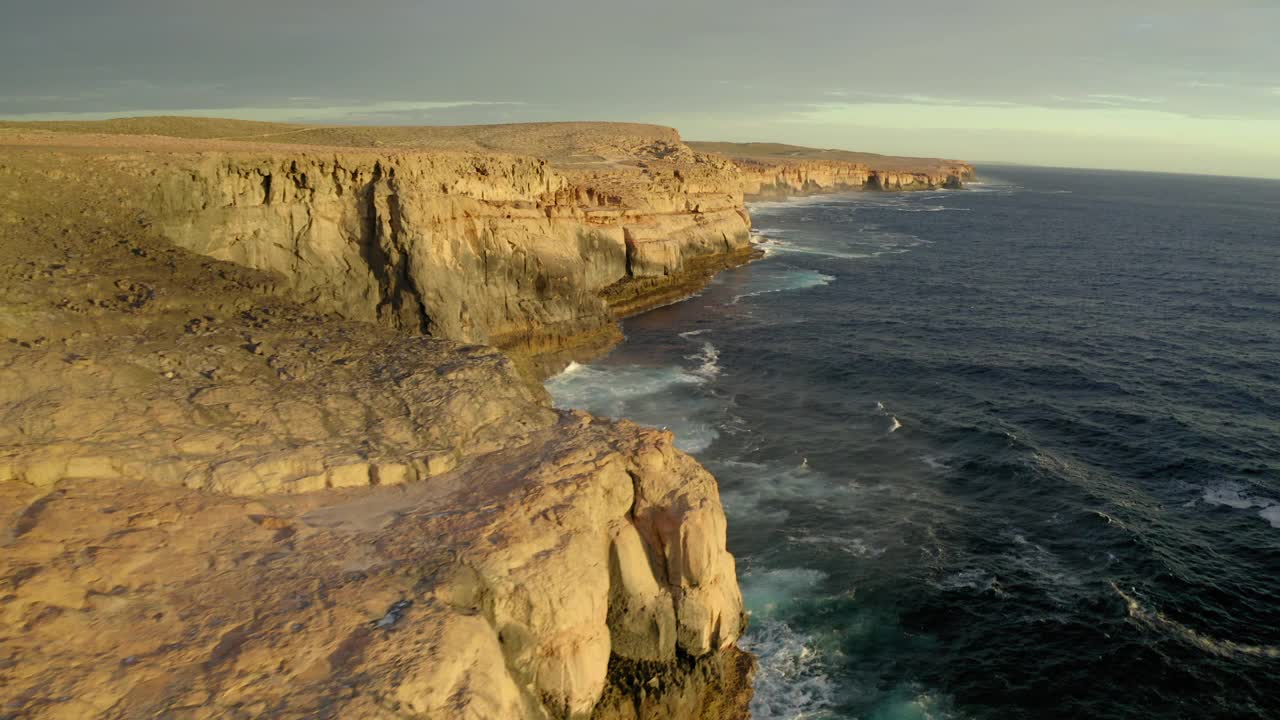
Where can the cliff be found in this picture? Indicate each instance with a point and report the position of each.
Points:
(774, 170)
(259, 458)
(221, 498)
(441, 236)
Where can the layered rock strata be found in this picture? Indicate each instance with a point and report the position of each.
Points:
(220, 502)
(258, 457)
(771, 170)
(498, 249)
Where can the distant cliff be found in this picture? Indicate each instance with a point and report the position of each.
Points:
(773, 170)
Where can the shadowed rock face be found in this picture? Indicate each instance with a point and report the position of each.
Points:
(217, 501)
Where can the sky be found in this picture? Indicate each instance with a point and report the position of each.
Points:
(1174, 85)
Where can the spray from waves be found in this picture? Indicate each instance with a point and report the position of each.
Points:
(1233, 495)
(785, 247)
(1156, 620)
(572, 368)
(758, 492)
(931, 209)
(661, 396)
(764, 207)
(791, 682)
(868, 241)
(708, 357)
(789, 279)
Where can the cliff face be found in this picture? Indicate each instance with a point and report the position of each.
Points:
(492, 249)
(801, 177)
(772, 170)
(221, 502)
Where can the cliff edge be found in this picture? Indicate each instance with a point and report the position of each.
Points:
(261, 456)
(777, 170)
(222, 498)
(465, 233)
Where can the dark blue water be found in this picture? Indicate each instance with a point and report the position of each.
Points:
(1009, 452)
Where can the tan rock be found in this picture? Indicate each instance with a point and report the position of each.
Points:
(219, 501)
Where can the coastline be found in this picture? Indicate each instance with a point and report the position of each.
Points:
(290, 344)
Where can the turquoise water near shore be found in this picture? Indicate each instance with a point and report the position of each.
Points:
(1005, 452)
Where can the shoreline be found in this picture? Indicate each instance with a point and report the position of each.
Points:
(280, 359)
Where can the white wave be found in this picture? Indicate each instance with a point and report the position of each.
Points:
(709, 358)
(656, 396)
(775, 590)
(789, 248)
(1233, 495)
(766, 206)
(855, 547)
(571, 368)
(785, 281)
(756, 491)
(791, 681)
(694, 333)
(931, 209)
(1271, 515)
(880, 406)
(896, 426)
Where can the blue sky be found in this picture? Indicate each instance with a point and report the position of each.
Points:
(1173, 85)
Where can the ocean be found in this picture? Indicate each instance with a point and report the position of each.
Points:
(1004, 452)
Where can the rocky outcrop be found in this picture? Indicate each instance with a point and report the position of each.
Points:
(218, 501)
(258, 457)
(480, 248)
(500, 590)
(805, 177)
(770, 170)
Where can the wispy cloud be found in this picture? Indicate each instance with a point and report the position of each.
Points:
(919, 98)
(302, 112)
(1110, 98)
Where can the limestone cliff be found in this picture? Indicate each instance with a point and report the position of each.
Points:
(466, 244)
(220, 502)
(773, 170)
(258, 458)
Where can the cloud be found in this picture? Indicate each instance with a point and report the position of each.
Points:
(1113, 99)
(301, 112)
(922, 99)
